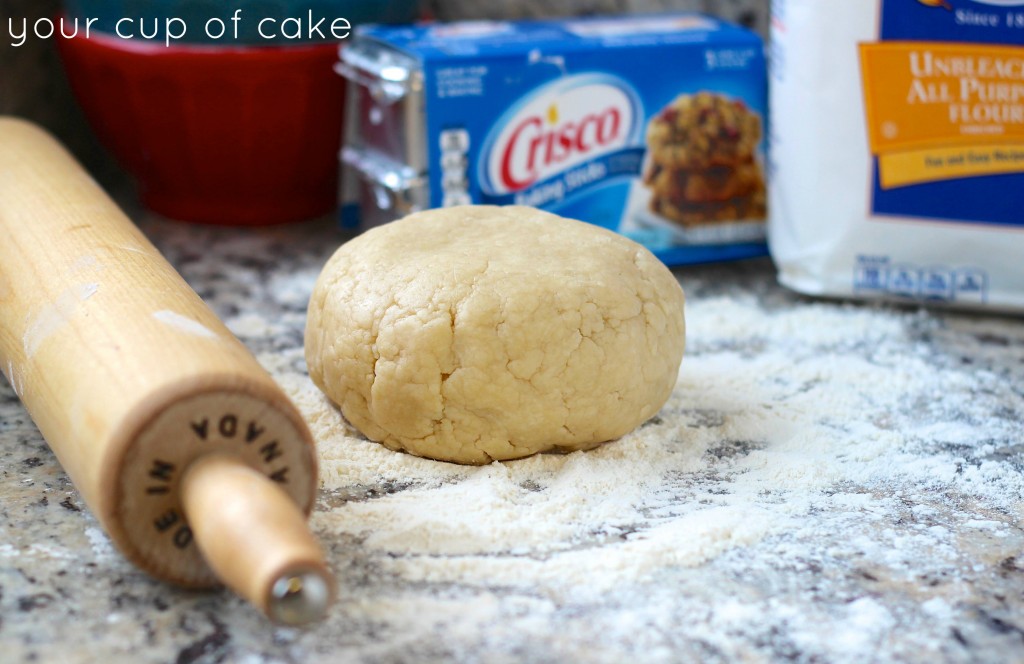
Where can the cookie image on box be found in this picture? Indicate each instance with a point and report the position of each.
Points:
(702, 161)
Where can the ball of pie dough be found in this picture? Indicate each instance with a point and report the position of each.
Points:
(477, 333)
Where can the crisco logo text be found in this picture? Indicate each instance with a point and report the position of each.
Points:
(562, 125)
(535, 146)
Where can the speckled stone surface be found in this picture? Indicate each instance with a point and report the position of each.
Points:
(67, 596)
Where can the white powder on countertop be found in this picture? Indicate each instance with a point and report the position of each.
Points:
(102, 547)
(292, 287)
(795, 435)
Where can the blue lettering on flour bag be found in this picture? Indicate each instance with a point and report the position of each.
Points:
(944, 97)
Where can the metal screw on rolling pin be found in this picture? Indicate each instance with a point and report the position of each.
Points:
(299, 598)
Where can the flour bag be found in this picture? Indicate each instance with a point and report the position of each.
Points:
(897, 150)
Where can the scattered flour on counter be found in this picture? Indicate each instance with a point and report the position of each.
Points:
(248, 325)
(292, 288)
(800, 434)
(102, 547)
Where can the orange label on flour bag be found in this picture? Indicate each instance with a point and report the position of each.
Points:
(939, 111)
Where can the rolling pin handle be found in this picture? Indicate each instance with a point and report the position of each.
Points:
(299, 597)
(255, 539)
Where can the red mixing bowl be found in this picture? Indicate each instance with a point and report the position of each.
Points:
(228, 135)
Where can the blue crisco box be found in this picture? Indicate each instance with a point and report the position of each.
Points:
(650, 125)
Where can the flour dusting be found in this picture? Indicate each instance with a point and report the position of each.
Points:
(50, 319)
(183, 324)
(809, 436)
(102, 548)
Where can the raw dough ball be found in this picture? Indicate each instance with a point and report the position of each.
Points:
(476, 333)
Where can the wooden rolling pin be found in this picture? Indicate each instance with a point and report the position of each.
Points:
(183, 447)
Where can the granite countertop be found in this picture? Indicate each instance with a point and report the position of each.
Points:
(831, 482)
